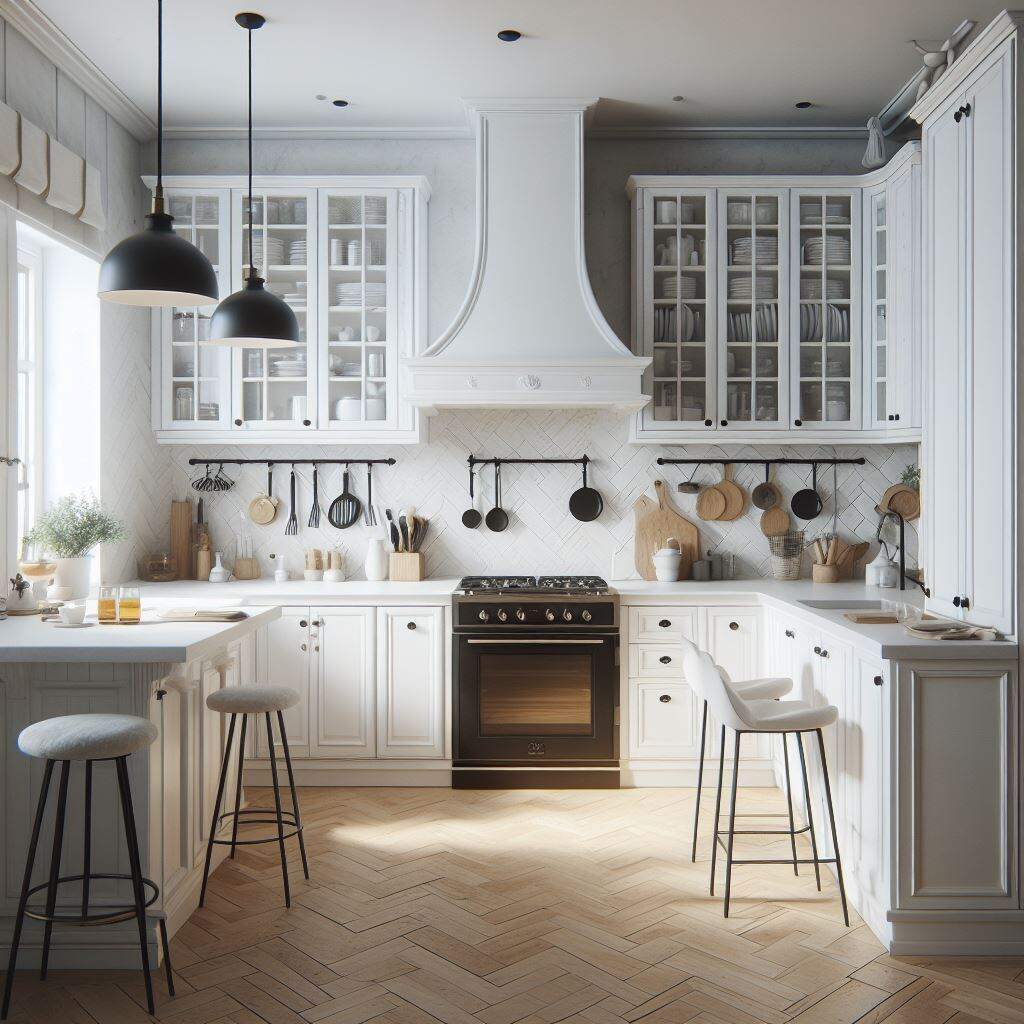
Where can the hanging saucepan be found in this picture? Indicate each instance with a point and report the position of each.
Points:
(497, 518)
(766, 495)
(585, 503)
(806, 504)
(471, 518)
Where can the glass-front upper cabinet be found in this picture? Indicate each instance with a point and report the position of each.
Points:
(879, 365)
(195, 385)
(826, 308)
(752, 311)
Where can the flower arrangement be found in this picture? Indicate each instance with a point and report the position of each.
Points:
(73, 525)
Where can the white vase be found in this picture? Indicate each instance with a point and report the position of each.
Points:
(376, 565)
(73, 574)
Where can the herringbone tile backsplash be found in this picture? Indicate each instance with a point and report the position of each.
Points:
(542, 537)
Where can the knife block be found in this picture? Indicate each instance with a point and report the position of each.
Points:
(405, 566)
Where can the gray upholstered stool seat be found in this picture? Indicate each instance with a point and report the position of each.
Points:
(252, 700)
(86, 737)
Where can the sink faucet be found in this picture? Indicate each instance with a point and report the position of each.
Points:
(903, 558)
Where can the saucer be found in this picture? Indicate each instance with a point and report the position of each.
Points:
(73, 625)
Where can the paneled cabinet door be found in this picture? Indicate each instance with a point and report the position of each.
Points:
(903, 257)
(665, 720)
(284, 660)
(410, 682)
(342, 708)
(835, 664)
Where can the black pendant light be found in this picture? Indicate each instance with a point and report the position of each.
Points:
(156, 266)
(253, 317)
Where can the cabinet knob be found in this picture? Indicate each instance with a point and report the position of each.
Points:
(665, 698)
(877, 680)
(708, 423)
(303, 647)
(665, 659)
(724, 423)
(824, 653)
(665, 623)
(238, 423)
(734, 626)
(965, 602)
(307, 423)
(817, 650)
(889, 417)
(410, 625)
(956, 601)
(798, 423)
(303, 623)
(790, 634)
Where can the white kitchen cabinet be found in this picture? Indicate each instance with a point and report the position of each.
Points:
(665, 719)
(348, 254)
(969, 458)
(662, 625)
(410, 682)
(283, 659)
(734, 641)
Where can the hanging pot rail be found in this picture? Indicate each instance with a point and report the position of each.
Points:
(584, 460)
(761, 462)
(292, 462)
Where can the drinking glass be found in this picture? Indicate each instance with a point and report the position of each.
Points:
(129, 604)
(106, 604)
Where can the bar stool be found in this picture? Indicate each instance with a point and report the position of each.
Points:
(244, 701)
(88, 738)
(751, 689)
(770, 717)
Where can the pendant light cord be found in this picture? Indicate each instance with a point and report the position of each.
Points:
(160, 98)
(251, 270)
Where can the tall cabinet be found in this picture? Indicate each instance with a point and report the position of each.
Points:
(971, 197)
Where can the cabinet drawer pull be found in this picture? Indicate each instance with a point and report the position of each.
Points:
(817, 650)
(410, 625)
(965, 602)
(790, 634)
(665, 659)
(734, 626)
(665, 698)
(307, 423)
(956, 601)
(877, 680)
(303, 647)
(303, 623)
(665, 623)
(824, 653)
(238, 423)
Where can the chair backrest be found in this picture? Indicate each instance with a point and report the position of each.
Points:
(707, 681)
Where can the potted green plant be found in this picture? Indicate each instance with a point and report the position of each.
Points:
(68, 531)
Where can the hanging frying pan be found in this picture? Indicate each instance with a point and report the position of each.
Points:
(263, 508)
(806, 503)
(585, 503)
(766, 495)
(497, 518)
(471, 518)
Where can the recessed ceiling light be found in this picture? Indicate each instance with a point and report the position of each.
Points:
(509, 35)
(803, 104)
(320, 96)
(678, 99)
(340, 103)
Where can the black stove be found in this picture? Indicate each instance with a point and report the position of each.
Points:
(526, 585)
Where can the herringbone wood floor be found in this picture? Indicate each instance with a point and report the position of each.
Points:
(539, 907)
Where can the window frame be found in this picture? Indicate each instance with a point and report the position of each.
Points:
(30, 470)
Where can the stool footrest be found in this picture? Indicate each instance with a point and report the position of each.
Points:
(112, 915)
(289, 818)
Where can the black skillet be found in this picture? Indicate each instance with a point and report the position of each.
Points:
(345, 509)
(497, 518)
(471, 518)
(585, 503)
(806, 503)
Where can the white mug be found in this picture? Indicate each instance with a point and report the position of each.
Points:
(72, 614)
(372, 332)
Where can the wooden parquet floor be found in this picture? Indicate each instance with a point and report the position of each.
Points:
(544, 907)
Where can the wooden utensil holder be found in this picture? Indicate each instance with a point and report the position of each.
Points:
(824, 573)
(247, 569)
(405, 566)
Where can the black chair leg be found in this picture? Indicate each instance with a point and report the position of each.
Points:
(134, 859)
(238, 785)
(167, 957)
(700, 779)
(718, 808)
(832, 824)
(19, 918)
(216, 809)
(295, 798)
(87, 841)
(810, 813)
(58, 842)
(732, 822)
(789, 802)
(277, 805)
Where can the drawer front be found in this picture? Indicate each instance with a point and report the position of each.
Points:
(664, 718)
(663, 661)
(662, 625)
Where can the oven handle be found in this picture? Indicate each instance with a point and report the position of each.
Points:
(523, 643)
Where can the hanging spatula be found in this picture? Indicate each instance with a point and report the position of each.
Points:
(345, 509)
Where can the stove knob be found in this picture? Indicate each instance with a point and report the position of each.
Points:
(502, 615)
(549, 615)
(485, 615)
(520, 615)
(585, 615)
(567, 615)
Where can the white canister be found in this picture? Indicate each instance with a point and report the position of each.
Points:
(873, 570)
(376, 565)
(666, 565)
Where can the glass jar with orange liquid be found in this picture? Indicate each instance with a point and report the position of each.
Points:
(106, 604)
(129, 604)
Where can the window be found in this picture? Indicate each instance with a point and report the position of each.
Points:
(28, 431)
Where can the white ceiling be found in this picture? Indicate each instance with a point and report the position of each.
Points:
(406, 63)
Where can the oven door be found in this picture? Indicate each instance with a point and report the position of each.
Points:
(523, 701)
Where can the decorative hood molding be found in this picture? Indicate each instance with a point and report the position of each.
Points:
(529, 333)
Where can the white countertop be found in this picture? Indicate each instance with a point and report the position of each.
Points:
(27, 638)
(243, 593)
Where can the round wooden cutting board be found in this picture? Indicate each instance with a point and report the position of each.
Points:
(775, 522)
(735, 496)
(655, 523)
(711, 504)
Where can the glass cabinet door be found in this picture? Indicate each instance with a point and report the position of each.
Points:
(277, 387)
(880, 361)
(358, 307)
(751, 316)
(826, 313)
(196, 377)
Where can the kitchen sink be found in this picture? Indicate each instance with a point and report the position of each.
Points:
(844, 605)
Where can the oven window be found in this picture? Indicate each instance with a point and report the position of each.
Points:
(536, 694)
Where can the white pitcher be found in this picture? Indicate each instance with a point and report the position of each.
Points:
(376, 565)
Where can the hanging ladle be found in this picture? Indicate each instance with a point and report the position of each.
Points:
(497, 518)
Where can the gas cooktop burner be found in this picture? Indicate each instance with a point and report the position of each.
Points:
(532, 585)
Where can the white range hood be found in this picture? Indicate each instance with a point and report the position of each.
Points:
(529, 333)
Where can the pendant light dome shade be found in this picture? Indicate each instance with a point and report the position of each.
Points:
(157, 267)
(254, 318)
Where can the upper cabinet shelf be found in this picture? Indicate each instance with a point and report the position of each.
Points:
(779, 309)
(348, 255)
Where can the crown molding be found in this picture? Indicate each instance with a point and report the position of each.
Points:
(817, 134)
(233, 133)
(25, 17)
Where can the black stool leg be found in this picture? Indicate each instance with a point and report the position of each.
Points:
(732, 822)
(810, 814)
(167, 957)
(700, 779)
(718, 807)
(216, 809)
(295, 798)
(58, 843)
(832, 824)
(277, 804)
(26, 884)
(87, 842)
(789, 801)
(132, 838)
(238, 785)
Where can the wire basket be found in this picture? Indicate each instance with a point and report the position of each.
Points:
(787, 550)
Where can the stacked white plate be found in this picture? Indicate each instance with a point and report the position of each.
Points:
(297, 252)
(810, 288)
(835, 248)
(831, 324)
(767, 250)
(674, 290)
(376, 293)
(740, 288)
(692, 324)
(375, 209)
(348, 293)
(835, 213)
(274, 250)
(377, 251)
(295, 367)
(765, 320)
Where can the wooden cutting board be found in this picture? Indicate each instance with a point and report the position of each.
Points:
(181, 537)
(655, 522)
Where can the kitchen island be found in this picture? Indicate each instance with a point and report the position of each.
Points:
(162, 671)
